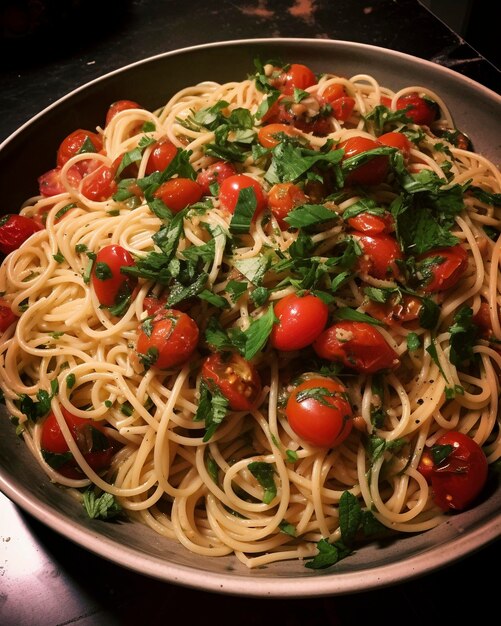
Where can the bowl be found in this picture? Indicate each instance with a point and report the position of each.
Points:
(30, 151)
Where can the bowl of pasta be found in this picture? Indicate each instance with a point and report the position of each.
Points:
(249, 317)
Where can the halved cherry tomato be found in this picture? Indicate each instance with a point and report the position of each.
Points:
(374, 171)
(168, 339)
(371, 223)
(100, 184)
(297, 115)
(381, 251)
(214, 174)
(162, 154)
(15, 230)
(95, 446)
(178, 193)
(397, 140)
(118, 107)
(333, 91)
(283, 198)
(482, 318)
(460, 476)
(230, 190)
(271, 135)
(422, 110)
(442, 268)
(397, 310)
(358, 345)
(342, 108)
(50, 183)
(77, 142)
(235, 377)
(7, 317)
(425, 466)
(319, 412)
(296, 76)
(112, 287)
(301, 319)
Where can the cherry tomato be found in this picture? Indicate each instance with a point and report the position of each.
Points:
(296, 115)
(371, 173)
(442, 268)
(100, 184)
(15, 230)
(178, 193)
(235, 377)
(168, 339)
(425, 466)
(283, 198)
(319, 412)
(154, 304)
(397, 140)
(230, 190)
(50, 183)
(386, 101)
(214, 174)
(482, 318)
(357, 345)
(296, 76)
(380, 253)
(162, 154)
(76, 142)
(96, 448)
(300, 320)
(118, 107)
(112, 287)
(271, 135)
(342, 104)
(422, 110)
(370, 223)
(397, 310)
(458, 479)
(333, 91)
(7, 317)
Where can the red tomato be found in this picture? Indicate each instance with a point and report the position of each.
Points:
(96, 448)
(333, 91)
(100, 184)
(386, 101)
(295, 76)
(283, 198)
(482, 318)
(50, 183)
(271, 135)
(214, 174)
(7, 317)
(160, 157)
(230, 190)
(286, 112)
(235, 377)
(381, 252)
(395, 311)
(153, 304)
(371, 173)
(168, 339)
(357, 345)
(111, 286)
(460, 477)
(397, 140)
(342, 108)
(422, 110)
(118, 107)
(369, 223)
(15, 230)
(442, 268)
(319, 412)
(75, 143)
(178, 193)
(425, 466)
(300, 320)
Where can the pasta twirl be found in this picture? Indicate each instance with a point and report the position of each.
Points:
(259, 306)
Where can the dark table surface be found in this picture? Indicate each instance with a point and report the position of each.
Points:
(46, 580)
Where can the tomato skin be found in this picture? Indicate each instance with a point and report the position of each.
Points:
(269, 135)
(53, 441)
(214, 174)
(173, 338)
(100, 184)
(301, 319)
(50, 183)
(108, 290)
(342, 104)
(230, 190)
(162, 154)
(458, 479)
(7, 317)
(318, 424)
(283, 198)
(396, 311)
(447, 271)
(422, 111)
(381, 251)
(370, 223)
(371, 173)
(357, 345)
(397, 140)
(235, 377)
(118, 107)
(296, 76)
(15, 230)
(178, 193)
(73, 143)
